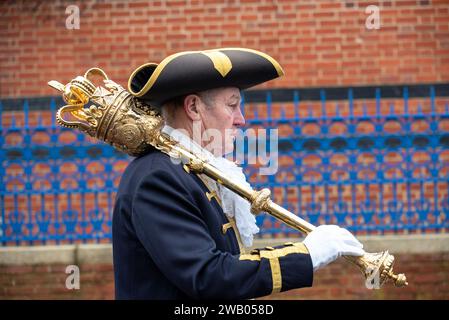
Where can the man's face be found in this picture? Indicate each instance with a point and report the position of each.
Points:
(221, 116)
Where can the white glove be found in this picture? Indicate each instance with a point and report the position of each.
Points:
(328, 242)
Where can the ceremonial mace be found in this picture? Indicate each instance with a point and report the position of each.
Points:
(132, 126)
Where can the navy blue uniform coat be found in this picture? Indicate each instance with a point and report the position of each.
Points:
(169, 242)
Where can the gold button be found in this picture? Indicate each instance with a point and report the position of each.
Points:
(269, 248)
(254, 251)
(289, 244)
(210, 195)
(225, 227)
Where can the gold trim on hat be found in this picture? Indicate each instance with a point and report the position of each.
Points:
(136, 71)
(150, 82)
(221, 62)
(275, 64)
(155, 74)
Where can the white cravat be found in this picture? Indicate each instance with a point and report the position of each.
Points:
(233, 205)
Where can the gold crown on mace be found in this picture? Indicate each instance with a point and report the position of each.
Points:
(115, 116)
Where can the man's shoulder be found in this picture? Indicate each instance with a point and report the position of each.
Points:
(154, 162)
(156, 169)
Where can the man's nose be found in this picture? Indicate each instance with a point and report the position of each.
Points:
(239, 119)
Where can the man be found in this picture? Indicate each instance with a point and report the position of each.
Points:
(179, 235)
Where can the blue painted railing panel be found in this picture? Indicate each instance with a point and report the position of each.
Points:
(57, 192)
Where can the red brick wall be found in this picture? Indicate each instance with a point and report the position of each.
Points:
(48, 282)
(319, 43)
(427, 275)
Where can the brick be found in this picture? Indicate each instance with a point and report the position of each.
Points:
(300, 28)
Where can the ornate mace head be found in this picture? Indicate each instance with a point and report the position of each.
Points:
(115, 116)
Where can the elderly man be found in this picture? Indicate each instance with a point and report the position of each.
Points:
(179, 235)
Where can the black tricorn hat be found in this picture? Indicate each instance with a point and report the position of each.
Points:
(194, 71)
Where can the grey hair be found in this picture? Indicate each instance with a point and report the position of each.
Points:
(168, 108)
(208, 97)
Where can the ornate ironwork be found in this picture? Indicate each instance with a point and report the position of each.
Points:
(54, 203)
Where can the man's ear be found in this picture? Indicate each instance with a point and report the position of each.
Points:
(191, 104)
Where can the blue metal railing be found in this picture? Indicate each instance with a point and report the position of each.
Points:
(380, 195)
(58, 185)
